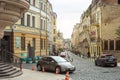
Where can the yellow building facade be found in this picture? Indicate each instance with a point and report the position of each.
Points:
(100, 22)
(29, 36)
(54, 34)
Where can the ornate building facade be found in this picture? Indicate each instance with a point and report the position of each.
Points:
(102, 18)
(31, 34)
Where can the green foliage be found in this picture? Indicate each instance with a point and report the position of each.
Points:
(118, 32)
(60, 49)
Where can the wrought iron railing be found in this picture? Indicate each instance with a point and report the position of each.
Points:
(10, 58)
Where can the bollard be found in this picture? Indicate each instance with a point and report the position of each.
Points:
(43, 69)
(33, 68)
(67, 77)
(57, 71)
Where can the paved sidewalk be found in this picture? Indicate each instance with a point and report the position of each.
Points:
(37, 75)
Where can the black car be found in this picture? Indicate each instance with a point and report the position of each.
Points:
(106, 60)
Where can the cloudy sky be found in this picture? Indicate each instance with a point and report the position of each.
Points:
(68, 14)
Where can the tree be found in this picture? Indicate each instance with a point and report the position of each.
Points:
(118, 32)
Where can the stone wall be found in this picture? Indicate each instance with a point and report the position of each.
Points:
(110, 21)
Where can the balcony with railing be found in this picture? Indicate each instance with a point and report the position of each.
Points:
(11, 11)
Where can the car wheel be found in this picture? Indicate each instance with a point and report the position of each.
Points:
(39, 68)
(58, 70)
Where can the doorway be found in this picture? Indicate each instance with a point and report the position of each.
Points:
(4, 45)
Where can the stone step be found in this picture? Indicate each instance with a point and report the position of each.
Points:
(3, 65)
(9, 71)
(11, 76)
(4, 68)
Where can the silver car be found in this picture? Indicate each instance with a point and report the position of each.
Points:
(51, 63)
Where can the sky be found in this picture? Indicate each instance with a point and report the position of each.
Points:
(68, 14)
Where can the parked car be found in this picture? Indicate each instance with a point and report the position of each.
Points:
(106, 60)
(63, 54)
(51, 63)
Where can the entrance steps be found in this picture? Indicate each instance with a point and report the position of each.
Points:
(8, 71)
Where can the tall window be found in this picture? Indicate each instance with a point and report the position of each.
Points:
(112, 45)
(118, 45)
(44, 25)
(34, 43)
(41, 6)
(44, 7)
(118, 1)
(44, 44)
(28, 20)
(97, 17)
(33, 2)
(22, 20)
(41, 43)
(33, 21)
(23, 43)
(105, 45)
(54, 31)
(54, 21)
(41, 24)
(54, 39)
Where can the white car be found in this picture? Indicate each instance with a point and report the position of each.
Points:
(63, 54)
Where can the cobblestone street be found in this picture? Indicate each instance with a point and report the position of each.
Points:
(86, 70)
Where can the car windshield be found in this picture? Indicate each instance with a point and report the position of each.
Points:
(59, 59)
(109, 56)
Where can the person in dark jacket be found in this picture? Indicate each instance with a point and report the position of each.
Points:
(88, 54)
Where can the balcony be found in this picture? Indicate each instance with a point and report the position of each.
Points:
(11, 11)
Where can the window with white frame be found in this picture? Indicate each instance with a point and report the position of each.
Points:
(28, 20)
(33, 21)
(41, 23)
(33, 2)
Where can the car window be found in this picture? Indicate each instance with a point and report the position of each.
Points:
(44, 59)
(109, 56)
(59, 59)
(49, 59)
(102, 56)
